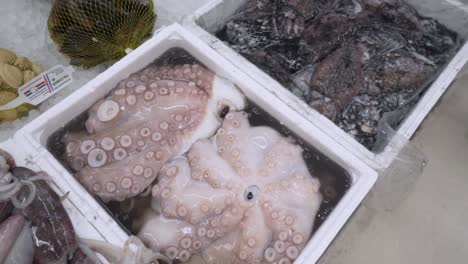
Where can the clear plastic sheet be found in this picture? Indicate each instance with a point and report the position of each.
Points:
(397, 181)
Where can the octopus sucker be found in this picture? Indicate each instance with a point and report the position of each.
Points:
(87, 146)
(184, 255)
(292, 252)
(298, 238)
(108, 110)
(107, 143)
(97, 158)
(236, 215)
(162, 114)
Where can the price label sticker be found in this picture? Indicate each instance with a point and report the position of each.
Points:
(42, 87)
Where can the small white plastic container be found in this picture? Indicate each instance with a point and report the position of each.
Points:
(214, 15)
(31, 140)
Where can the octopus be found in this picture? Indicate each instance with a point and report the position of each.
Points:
(149, 118)
(350, 60)
(243, 196)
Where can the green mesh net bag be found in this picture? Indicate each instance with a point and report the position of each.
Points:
(91, 32)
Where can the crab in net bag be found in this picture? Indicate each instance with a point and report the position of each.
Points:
(91, 32)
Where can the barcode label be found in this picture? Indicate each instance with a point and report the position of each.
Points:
(45, 85)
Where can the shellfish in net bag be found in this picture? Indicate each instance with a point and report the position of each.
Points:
(91, 32)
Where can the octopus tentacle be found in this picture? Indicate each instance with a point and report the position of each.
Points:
(164, 85)
(254, 237)
(127, 178)
(201, 158)
(179, 196)
(236, 143)
(152, 116)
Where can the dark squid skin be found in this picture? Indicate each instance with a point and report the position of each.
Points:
(338, 79)
(365, 57)
(5, 210)
(9, 159)
(53, 233)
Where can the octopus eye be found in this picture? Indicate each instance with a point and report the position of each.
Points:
(224, 111)
(251, 194)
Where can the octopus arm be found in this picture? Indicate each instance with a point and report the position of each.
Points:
(165, 232)
(207, 165)
(242, 147)
(158, 112)
(254, 238)
(127, 178)
(222, 250)
(184, 197)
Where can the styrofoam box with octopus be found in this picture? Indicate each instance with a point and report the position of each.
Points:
(31, 141)
(211, 18)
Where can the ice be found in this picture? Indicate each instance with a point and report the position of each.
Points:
(175, 10)
(24, 31)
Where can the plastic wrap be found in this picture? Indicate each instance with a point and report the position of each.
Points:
(210, 23)
(354, 61)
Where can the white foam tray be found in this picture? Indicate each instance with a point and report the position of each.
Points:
(31, 140)
(211, 17)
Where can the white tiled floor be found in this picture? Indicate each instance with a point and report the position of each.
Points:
(428, 224)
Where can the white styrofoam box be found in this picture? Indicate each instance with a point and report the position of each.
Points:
(213, 16)
(32, 138)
